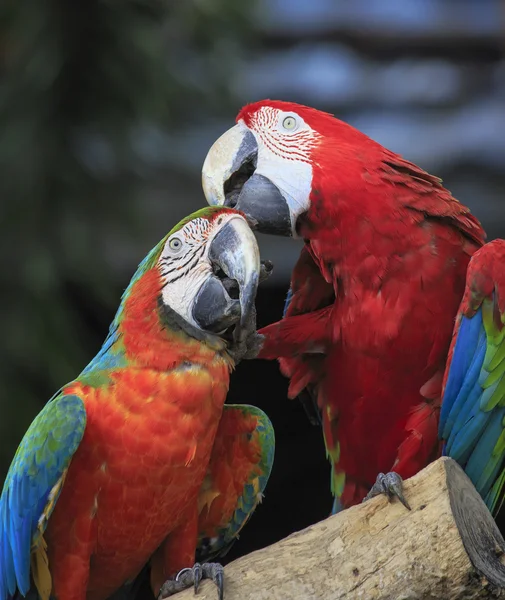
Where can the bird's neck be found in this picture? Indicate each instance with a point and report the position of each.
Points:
(146, 334)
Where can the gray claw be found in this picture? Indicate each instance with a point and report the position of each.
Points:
(266, 269)
(391, 485)
(247, 349)
(219, 581)
(197, 570)
(193, 576)
(254, 343)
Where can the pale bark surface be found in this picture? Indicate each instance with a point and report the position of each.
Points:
(446, 548)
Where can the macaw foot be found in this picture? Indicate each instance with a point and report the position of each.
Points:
(266, 268)
(192, 576)
(390, 484)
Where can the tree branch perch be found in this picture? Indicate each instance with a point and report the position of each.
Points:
(446, 548)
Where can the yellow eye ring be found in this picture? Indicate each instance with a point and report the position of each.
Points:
(289, 123)
(175, 244)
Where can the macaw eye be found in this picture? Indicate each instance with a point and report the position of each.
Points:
(289, 123)
(175, 244)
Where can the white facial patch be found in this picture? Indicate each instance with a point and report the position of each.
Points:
(184, 266)
(285, 143)
(184, 263)
(180, 294)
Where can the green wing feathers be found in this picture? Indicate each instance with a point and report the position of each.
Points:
(31, 490)
(472, 419)
(237, 475)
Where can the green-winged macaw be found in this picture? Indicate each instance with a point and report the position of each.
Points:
(137, 460)
(392, 265)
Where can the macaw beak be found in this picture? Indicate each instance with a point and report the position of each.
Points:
(229, 300)
(229, 178)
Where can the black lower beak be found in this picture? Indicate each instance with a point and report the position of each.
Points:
(230, 178)
(221, 303)
(214, 310)
(264, 206)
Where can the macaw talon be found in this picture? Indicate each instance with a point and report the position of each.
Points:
(192, 576)
(253, 344)
(266, 269)
(247, 349)
(391, 485)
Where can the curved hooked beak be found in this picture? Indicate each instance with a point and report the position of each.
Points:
(229, 178)
(229, 300)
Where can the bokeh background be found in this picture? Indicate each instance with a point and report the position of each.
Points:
(107, 110)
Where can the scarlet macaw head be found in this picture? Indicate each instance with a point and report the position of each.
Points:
(265, 165)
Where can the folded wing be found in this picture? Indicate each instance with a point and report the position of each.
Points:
(31, 490)
(472, 421)
(237, 475)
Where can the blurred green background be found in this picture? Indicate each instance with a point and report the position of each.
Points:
(107, 110)
(80, 84)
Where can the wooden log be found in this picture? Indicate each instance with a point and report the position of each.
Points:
(446, 548)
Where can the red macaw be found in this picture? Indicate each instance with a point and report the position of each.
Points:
(137, 461)
(374, 297)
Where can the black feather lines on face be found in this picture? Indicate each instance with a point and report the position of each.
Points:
(185, 267)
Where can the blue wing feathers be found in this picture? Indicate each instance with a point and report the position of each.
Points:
(483, 464)
(465, 368)
(464, 438)
(473, 406)
(489, 398)
(287, 302)
(40, 461)
(7, 572)
(470, 331)
(337, 506)
(465, 407)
